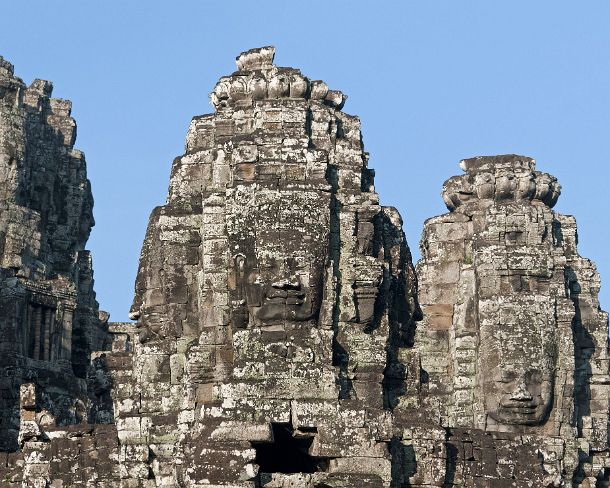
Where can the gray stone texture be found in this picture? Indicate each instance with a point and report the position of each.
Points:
(280, 340)
(49, 318)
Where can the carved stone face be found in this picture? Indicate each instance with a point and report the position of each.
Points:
(517, 364)
(279, 240)
(521, 396)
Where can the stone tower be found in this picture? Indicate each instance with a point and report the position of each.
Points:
(274, 292)
(49, 321)
(513, 339)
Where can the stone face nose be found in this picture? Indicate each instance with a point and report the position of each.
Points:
(521, 394)
(288, 283)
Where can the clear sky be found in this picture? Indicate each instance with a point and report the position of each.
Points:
(432, 81)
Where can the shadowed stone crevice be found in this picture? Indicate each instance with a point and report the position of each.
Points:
(450, 466)
(340, 356)
(582, 354)
(404, 463)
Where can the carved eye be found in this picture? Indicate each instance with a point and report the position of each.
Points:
(534, 375)
(508, 376)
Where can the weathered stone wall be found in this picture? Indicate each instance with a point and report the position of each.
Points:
(277, 341)
(49, 319)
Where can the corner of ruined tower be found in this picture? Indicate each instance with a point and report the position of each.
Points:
(49, 317)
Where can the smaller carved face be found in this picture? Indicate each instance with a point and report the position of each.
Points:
(518, 361)
(521, 397)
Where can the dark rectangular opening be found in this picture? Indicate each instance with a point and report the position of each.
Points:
(289, 452)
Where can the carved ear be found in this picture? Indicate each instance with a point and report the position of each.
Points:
(239, 268)
(365, 231)
(329, 296)
(239, 309)
(365, 295)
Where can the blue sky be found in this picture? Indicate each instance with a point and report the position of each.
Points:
(432, 81)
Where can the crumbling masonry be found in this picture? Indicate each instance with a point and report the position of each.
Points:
(49, 321)
(282, 339)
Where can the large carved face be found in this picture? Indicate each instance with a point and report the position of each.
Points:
(279, 241)
(517, 363)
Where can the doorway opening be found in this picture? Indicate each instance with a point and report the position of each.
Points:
(289, 452)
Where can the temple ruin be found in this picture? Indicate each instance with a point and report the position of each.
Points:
(282, 336)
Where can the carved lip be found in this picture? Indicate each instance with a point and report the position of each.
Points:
(286, 297)
(520, 408)
(285, 294)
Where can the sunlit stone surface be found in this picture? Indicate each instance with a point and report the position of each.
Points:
(281, 339)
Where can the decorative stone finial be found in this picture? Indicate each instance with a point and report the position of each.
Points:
(257, 58)
(503, 178)
(258, 79)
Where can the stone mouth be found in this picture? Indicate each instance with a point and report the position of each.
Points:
(519, 404)
(285, 297)
(525, 412)
(520, 409)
